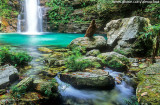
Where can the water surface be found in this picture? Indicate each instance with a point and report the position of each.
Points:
(42, 39)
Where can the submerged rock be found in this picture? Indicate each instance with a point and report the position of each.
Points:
(97, 79)
(8, 74)
(96, 42)
(45, 50)
(122, 33)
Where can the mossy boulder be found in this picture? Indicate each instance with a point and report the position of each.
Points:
(148, 90)
(95, 61)
(93, 52)
(115, 61)
(97, 79)
(96, 42)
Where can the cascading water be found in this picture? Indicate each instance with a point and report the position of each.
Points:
(116, 96)
(31, 18)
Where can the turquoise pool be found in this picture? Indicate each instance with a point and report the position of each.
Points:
(43, 39)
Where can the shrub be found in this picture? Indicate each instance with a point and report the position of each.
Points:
(16, 58)
(18, 92)
(132, 101)
(123, 52)
(75, 63)
(50, 88)
(117, 62)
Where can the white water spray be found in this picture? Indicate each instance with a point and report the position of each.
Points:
(32, 17)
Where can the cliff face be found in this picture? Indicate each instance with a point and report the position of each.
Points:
(8, 16)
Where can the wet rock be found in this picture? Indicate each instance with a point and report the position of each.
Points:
(122, 33)
(94, 52)
(97, 42)
(115, 61)
(61, 50)
(45, 50)
(49, 60)
(26, 82)
(8, 74)
(97, 79)
(59, 63)
(47, 73)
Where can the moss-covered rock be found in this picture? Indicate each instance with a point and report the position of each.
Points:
(94, 52)
(115, 61)
(97, 79)
(148, 90)
(97, 42)
(45, 50)
(95, 61)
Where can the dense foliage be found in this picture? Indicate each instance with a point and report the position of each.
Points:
(7, 9)
(60, 11)
(148, 41)
(15, 58)
(18, 92)
(75, 63)
(50, 89)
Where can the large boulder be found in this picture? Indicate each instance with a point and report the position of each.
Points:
(115, 61)
(97, 79)
(96, 42)
(148, 90)
(8, 74)
(122, 33)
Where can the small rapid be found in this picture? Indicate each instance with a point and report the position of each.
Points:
(117, 96)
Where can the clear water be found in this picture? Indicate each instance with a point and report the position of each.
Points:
(70, 95)
(43, 39)
(116, 96)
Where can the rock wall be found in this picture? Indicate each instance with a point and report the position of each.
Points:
(9, 24)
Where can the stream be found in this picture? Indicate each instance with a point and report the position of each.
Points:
(116, 96)
(70, 95)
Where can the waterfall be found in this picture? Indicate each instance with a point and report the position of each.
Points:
(19, 24)
(31, 18)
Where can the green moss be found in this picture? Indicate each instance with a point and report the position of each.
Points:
(50, 89)
(115, 62)
(149, 83)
